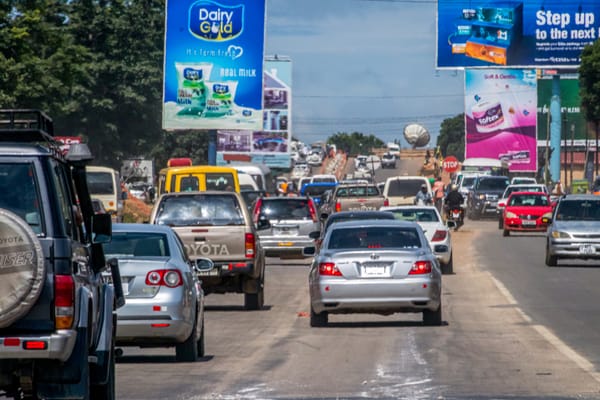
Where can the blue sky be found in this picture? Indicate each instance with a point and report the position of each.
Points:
(362, 65)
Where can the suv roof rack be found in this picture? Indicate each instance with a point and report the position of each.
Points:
(25, 125)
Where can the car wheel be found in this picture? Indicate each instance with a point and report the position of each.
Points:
(255, 301)
(505, 232)
(500, 223)
(433, 318)
(188, 350)
(200, 343)
(318, 320)
(448, 269)
(551, 261)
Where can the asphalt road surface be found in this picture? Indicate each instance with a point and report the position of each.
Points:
(513, 329)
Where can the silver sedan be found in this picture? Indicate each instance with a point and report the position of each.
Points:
(375, 266)
(164, 302)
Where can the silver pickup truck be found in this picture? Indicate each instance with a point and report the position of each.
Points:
(353, 197)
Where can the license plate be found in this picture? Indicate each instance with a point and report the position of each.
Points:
(527, 222)
(210, 272)
(375, 270)
(285, 244)
(587, 249)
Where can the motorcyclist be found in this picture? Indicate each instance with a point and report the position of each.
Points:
(423, 196)
(454, 199)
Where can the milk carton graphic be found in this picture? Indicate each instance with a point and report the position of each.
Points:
(191, 89)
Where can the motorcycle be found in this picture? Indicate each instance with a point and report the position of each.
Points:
(456, 215)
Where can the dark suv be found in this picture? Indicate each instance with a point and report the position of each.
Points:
(57, 315)
(482, 199)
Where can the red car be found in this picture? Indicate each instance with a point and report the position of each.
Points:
(524, 212)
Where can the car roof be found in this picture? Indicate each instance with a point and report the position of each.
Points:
(580, 197)
(361, 214)
(138, 227)
(378, 222)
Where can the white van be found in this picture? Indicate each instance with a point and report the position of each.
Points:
(247, 182)
(261, 174)
(401, 190)
(104, 184)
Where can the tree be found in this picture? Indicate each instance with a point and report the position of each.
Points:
(451, 139)
(355, 143)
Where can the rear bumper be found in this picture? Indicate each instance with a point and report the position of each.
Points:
(58, 346)
(286, 246)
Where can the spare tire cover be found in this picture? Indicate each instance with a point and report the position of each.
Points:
(22, 268)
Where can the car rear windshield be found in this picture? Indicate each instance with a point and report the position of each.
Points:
(418, 215)
(315, 190)
(357, 191)
(383, 237)
(137, 244)
(404, 187)
(528, 200)
(199, 210)
(578, 210)
(492, 184)
(285, 209)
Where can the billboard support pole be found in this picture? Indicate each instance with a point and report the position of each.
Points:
(555, 128)
(212, 147)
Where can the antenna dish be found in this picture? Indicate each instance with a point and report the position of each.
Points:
(416, 135)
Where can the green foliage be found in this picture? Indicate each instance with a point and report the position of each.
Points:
(589, 81)
(451, 139)
(355, 143)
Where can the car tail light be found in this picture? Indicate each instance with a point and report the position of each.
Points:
(256, 213)
(420, 268)
(386, 202)
(250, 245)
(312, 209)
(439, 235)
(329, 269)
(64, 301)
(164, 277)
(338, 206)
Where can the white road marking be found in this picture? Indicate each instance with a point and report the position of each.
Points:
(550, 337)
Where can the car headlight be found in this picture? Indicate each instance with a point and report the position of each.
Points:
(511, 215)
(481, 197)
(547, 215)
(560, 235)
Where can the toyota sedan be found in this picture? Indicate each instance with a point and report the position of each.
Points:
(164, 303)
(375, 266)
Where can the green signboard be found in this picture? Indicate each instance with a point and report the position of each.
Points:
(573, 118)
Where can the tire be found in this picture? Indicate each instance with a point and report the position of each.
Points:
(255, 301)
(188, 350)
(318, 320)
(448, 269)
(20, 286)
(200, 343)
(433, 318)
(551, 261)
(500, 223)
(505, 232)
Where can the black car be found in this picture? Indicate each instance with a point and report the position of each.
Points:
(482, 199)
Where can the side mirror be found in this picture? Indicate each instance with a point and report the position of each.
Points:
(203, 265)
(101, 228)
(309, 251)
(502, 204)
(262, 224)
(324, 216)
(451, 224)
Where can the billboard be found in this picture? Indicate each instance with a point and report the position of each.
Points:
(573, 120)
(213, 66)
(500, 116)
(527, 33)
(271, 144)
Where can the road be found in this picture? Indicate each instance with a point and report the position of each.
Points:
(513, 328)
